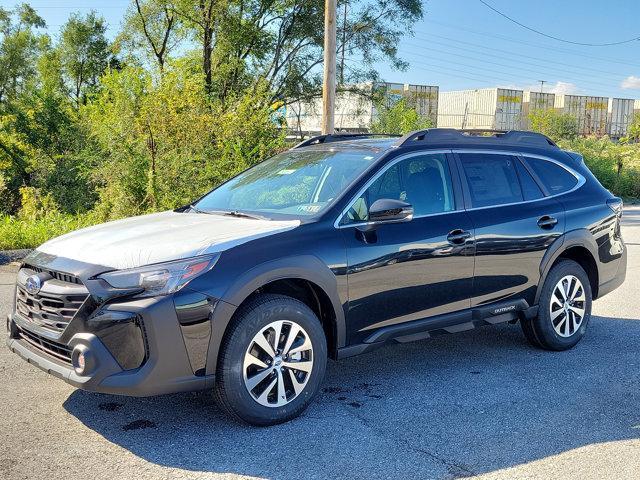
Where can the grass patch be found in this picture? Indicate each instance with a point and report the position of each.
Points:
(19, 232)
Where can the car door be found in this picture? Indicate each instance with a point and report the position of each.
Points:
(399, 272)
(514, 224)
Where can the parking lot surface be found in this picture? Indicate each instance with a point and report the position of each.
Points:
(481, 403)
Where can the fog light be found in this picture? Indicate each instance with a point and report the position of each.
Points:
(82, 360)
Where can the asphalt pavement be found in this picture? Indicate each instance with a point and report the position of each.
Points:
(481, 403)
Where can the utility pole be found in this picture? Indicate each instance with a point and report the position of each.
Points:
(344, 41)
(329, 85)
(542, 82)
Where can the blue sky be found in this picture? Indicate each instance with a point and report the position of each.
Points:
(462, 44)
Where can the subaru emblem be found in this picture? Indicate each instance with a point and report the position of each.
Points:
(33, 284)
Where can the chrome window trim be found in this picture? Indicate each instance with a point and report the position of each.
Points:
(382, 171)
(580, 179)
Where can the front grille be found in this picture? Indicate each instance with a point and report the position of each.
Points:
(54, 305)
(63, 277)
(57, 350)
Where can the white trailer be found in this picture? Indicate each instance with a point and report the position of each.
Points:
(487, 108)
(620, 116)
(590, 112)
(356, 108)
(353, 112)
(535, 101)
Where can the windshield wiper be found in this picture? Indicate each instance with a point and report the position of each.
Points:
(236, 213)
(193, 208)
(229, 213)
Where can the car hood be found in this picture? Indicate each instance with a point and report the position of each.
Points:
(160, 237)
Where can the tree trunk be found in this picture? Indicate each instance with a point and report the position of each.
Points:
(207, 50)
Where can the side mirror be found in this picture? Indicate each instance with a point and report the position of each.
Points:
(388, 210)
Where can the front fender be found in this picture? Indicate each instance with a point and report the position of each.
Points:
(303, 267)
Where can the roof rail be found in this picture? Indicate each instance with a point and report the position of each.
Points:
(444, 135)
(339, 137)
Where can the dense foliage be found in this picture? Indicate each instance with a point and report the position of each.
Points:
(399, 118)
(615, 164)
(553, 124)
(181, 100)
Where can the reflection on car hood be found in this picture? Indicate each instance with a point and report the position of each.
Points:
(160, 237)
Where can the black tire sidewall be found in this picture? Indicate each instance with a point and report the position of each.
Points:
(255, 316)
(547, 335)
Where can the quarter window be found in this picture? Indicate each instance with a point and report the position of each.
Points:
(530, 189)
(424, 181)
(491, 178)
(555, 178)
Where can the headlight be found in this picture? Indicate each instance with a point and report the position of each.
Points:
(160, 278)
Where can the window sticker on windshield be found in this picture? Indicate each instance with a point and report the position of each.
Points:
(286, 171)
(310, 208)
(368, 157)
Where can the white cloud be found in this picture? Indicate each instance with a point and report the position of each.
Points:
(563, 88)
(560, 88)
(631, 83)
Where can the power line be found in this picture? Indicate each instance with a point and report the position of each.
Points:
(519, 55)
(529, 44)
(557, 38)
(512, 74)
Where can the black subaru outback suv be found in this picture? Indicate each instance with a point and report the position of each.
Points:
(334, 248)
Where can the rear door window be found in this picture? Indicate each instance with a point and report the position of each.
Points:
(555, 178)
(491, 178)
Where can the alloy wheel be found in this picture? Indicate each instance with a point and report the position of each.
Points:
(278, 363)
(567, 306)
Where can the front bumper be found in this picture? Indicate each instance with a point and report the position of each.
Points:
(166, 369)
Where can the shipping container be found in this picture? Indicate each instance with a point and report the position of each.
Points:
(356, 109)
(487, 108)
(388, 93)
(590, 112)
(620, 116)
(353, 112)
(532, 101)
(424, 99)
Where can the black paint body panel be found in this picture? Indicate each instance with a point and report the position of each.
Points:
(393, 282)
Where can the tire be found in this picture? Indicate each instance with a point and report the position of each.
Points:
(248, 360)
(556, 327)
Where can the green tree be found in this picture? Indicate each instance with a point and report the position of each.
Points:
(84, 53)
(248, 42)
(400, 118)
(14, 151)
(557, 126)
(20, 46)
(153, 28)
(633, 132)
(165, 143)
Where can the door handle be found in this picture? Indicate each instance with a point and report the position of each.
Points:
(458, 236)
(547, 222)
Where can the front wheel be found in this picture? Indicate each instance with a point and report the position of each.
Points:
(272, 361)
(564, 308)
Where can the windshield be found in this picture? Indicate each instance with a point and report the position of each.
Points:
(296, 183)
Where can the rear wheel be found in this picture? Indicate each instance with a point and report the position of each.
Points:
(564, 308)
(272, 361)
